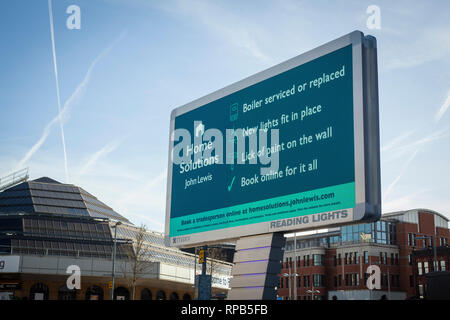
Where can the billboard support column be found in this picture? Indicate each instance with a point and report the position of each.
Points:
(257, 263)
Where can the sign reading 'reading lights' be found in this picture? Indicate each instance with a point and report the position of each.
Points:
(294, 147)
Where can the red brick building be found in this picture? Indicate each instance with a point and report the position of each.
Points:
(429, 260)
(334, 264)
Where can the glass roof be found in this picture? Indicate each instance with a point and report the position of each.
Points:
(45, 195)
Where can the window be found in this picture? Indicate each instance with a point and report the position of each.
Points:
(335, 260)
(392, 258)
(420, 288)
(318, 280)
(346, 258)
(419, 268)
(306, 282)
(347, 281)
(339, 259)
(396, 259)
(410, 259)
(443, 266)
(425, 267)
(335, 281)
(366, 257)
(385, 258)
(318, 259)
(355, 258)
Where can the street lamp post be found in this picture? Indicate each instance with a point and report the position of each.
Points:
(295, 266)
(313, 292)
(195, 271)
(114, 257)
(288, 276)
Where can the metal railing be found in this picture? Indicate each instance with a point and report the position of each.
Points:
(13, 179)
(12, 250)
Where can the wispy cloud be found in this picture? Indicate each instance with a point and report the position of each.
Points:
(63, 115)
(412, 148)
(396, 141)
(223, 23)
(400, 146)
(37, 145)
(146, 202)
(146, 188)
(105, 150)
(443, 109)
(401, 173)
(412, 200)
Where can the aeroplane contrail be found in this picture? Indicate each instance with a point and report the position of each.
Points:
(55, 68)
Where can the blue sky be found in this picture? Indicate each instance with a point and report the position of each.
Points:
(133, 61)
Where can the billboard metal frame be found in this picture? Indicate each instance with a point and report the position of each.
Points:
(366, 140)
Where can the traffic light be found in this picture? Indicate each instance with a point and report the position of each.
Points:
(201, 256)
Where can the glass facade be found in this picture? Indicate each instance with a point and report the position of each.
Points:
(382, 232)
(57, 235)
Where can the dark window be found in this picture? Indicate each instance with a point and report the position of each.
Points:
(146, 294)
(94, 293)
(39, 291)
(318, 280)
